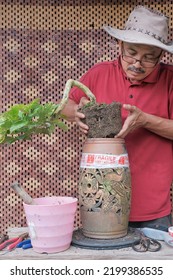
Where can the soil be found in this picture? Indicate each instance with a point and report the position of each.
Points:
(103, 120)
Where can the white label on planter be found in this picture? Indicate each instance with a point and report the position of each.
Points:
(32, 231)
(90, 160)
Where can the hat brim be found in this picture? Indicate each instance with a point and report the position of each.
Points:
(133, 36)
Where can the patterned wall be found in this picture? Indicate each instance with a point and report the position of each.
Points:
(43, 44)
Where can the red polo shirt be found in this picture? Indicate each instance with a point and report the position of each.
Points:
(150, 155)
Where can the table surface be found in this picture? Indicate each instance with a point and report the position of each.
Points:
(76, 253)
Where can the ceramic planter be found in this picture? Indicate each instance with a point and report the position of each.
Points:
(104, 188)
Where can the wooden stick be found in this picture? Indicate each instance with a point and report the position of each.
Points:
(22, 193)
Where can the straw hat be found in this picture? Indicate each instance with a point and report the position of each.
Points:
(144, 26)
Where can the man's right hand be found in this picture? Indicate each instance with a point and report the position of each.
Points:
(79, 116)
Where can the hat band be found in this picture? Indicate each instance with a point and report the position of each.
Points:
(146, 32)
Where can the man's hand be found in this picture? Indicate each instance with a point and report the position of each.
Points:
(135, 119)
(78, 116)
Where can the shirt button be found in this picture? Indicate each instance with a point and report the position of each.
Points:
(130, 96)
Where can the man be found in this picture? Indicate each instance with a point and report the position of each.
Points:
(144, 86)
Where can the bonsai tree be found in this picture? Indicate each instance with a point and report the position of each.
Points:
(22, 121)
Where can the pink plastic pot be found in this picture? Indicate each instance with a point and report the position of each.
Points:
(51, 223)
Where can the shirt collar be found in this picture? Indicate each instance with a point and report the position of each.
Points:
(151, 78)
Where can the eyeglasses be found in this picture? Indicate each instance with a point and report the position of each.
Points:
(146, 63)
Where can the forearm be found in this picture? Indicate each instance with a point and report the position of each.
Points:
(160, 126)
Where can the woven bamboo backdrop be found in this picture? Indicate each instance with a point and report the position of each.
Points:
(43, 44)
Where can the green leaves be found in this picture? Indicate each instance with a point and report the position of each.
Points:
(21, 121)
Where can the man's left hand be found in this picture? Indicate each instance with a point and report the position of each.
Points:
(135, 119)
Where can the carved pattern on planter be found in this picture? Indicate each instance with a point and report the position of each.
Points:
(105, 190)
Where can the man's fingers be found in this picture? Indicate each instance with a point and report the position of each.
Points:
(80, 115)
(122, 133)
(128, 107)
(83, 102)
(83, 127)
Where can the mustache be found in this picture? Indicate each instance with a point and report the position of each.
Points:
(136, 70)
